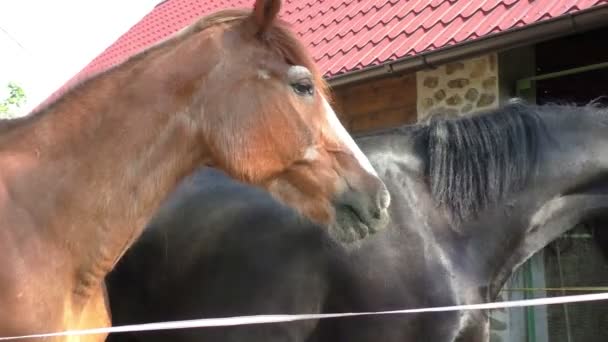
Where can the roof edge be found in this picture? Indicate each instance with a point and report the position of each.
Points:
(581, 21)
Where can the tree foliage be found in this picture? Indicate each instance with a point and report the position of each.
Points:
(16, 98)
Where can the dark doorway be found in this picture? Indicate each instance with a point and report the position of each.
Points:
(577, 259)
(571, 52)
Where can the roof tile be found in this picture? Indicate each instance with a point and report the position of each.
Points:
(347, 35)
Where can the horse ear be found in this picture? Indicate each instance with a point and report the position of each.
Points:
(264, 13)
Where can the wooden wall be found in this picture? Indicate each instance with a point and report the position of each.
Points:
(383, 103)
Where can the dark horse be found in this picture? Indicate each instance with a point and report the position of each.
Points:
(472, 199)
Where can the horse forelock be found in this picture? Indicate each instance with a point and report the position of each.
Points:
(475, 161)
(281, 39)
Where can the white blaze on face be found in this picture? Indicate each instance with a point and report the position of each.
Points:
(311, 154)
(346, 139)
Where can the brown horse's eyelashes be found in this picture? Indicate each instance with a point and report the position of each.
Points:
(300, 79)
(304, 87)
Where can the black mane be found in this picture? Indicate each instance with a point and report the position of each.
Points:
(474, 161)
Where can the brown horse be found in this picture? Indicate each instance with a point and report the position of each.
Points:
(79, 179)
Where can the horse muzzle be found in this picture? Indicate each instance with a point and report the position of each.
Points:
(361, 211)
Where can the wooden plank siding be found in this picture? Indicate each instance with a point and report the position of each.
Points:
(383, 103)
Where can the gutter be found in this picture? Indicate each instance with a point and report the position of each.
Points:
(572, 23)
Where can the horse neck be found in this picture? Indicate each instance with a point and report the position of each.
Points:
(568, 188)
(90, 171)
(400, 159)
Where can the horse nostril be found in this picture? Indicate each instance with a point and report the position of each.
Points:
(384, 199)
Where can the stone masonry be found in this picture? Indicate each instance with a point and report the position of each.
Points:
(458, 88)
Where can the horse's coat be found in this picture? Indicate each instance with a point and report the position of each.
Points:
(80, 179)
(434, 253)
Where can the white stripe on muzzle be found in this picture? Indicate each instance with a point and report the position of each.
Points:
(346, 139)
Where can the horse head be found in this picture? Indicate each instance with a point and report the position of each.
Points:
(263, 112)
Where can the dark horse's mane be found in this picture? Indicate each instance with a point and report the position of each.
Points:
(474, 161)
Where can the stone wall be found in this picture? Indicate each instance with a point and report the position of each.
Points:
(458, 88)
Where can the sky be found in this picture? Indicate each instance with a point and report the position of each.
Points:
(43, 43)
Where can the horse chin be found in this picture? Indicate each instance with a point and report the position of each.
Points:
(348, 227)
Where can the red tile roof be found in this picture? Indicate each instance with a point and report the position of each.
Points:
(348, 35)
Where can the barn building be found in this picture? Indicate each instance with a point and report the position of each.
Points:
(394, 62)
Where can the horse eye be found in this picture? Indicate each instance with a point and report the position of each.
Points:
(303, 88)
